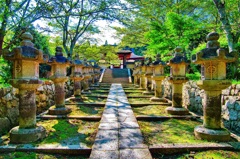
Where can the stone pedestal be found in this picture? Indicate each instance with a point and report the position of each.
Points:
(59, 65)
(148, 77)
(142, 81)
(59, 98)
(177, 108)
(213, 61)
(87, 76)
(158, 89)
(212, 123)
(136, 75)
(26, 61)
(148, 82)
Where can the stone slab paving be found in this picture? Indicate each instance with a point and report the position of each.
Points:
(119, 136)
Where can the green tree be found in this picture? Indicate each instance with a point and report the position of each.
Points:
(15, 17)
(76, 18)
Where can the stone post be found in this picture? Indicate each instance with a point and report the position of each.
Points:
(96, 71)
(136, 75)
(147, 76)
(59, 64)
(87, 76)
(76, 76)
(158, 76)
(213, 61)
(177, 77)
(26, 61)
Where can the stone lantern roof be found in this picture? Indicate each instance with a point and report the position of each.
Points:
(212, 52)
(77, 61)
(178, 57)
(26, 51)
(158, 61)
(59, 58)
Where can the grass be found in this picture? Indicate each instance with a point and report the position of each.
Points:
(141, 101)
(82, 110)
(194, 76)
(235, 82)
(99, 91)
(89, 99)
(70, 131)
(210, 154)
(33, 155)
(169, 131)
(152, 110)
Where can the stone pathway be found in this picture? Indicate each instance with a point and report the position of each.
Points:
(118, 134)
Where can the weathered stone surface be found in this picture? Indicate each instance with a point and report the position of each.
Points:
(135, 154)
(21, 136)
(104, 154)
(4, 125)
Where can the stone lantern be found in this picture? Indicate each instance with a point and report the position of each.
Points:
(148, 74)
(136, 74)
(59, 65)
(96, 70)
(213, 61)
(26, 61)
(91, 71)
(87, 76)
(178, 65)
(77, 76)
(158, 76)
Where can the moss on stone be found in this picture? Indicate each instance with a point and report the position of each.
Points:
(81, 110)
(70, 131)
(152, 110)
(169, 131)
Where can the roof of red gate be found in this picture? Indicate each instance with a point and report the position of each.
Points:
(135, 57)
(124, 52)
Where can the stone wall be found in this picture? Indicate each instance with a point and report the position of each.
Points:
(8, 108)
(192, 99)
(9, 103)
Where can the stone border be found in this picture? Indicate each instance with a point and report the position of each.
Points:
(158, 118)
(87, 118)
(179, 148)
(48, 148)
(147, 104)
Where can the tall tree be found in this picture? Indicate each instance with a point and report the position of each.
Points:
(15, 17)
(75, 18)
(227, 23)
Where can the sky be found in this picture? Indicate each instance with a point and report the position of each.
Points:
(107, 33)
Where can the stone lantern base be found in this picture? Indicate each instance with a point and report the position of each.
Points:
(22, 136)
(211, 134)
(177, 111)
(58, 110)
(157, 99)
(148, 93)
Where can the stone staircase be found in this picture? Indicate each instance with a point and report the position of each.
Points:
(115, 76)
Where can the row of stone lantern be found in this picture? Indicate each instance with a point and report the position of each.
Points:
(213, 61)
(26, 61)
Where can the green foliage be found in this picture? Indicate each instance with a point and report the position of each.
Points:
(89, 51)
(177, 30)
(5, 72)
(194, 76)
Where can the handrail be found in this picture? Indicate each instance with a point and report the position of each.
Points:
(101, 77)
(129, 76)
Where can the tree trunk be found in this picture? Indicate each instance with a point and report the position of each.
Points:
(225, 23)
